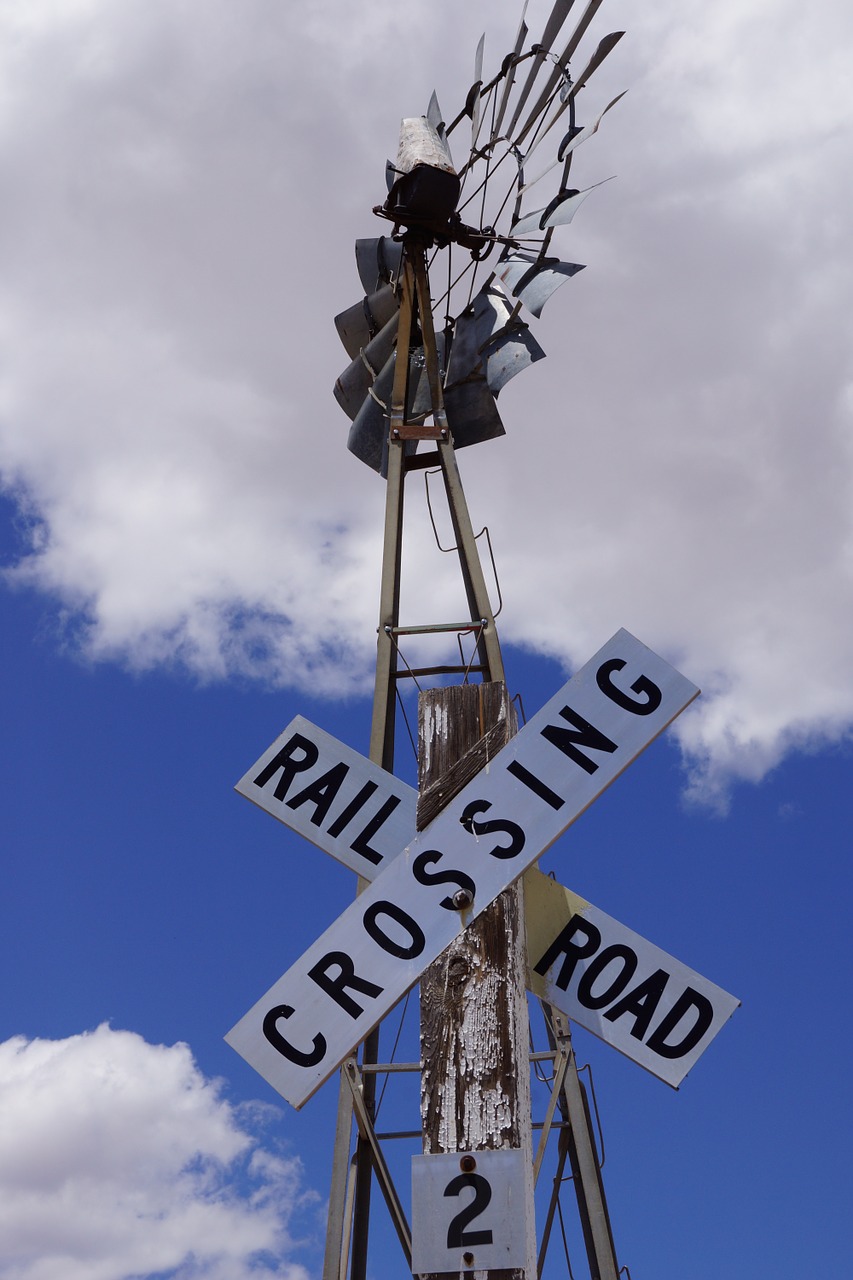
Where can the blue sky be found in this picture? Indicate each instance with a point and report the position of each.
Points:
(143, 892)
(190, 557)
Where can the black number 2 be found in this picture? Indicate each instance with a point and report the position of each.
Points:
(457, 1237)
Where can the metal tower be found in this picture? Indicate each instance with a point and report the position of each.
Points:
(569, 1112)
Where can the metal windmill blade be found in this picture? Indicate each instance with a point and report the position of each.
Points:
(452, 220)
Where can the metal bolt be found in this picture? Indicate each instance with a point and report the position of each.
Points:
(468, 1259)
(467, 1164)
(462, 899)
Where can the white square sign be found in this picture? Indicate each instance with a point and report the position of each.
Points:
(469, 1211)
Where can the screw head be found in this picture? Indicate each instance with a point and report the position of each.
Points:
(468, 1259)
(462, 899)
(467, 1164)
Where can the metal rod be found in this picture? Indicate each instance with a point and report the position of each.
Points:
(414, 673)
(556, 1086)
(339, 1222)
(428, 629)
(562, 1153)
(589, 1188)
(386, 1182)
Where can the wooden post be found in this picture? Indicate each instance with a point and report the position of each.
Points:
(475, 1081)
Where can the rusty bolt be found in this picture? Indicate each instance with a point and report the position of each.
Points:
(467, 1164)
(462, 899)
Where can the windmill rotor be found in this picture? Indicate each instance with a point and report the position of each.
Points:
(485, 227)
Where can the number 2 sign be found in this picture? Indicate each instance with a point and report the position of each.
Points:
(468, 1211)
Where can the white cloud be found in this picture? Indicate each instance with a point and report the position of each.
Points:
(181, 189)
(118, 1159)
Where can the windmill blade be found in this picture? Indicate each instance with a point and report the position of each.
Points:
(570, 142)
(509, 81)
(475, 101)
(558, 213)
(433, 114)
(419, 403)
(472, 414)
(507, 346)
(557, 74)
(361, 322)
(368, 435)
(604, 48)
(359, 376)
(464, 349)
(553, 26)
(532, 279)
(378, 261)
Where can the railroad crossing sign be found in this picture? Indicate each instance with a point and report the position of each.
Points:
(300, 1031)
(601, 974)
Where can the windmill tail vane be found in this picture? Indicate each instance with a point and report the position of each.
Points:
(452, 220)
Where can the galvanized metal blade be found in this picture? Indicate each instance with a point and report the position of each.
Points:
(509, 80)
(559, 212)
(533, 280)
(419, 403)
(558, 72)
(433, 113)
(368, 435)
(475, 100)
(506, 343)
(464, 349)
(557, 17)
(604, 48)
(361, 322)
(359, 376)
(571, 142)
(378, 261)
(472, 414)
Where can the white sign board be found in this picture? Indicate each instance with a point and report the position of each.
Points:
(321, 788)
(359, 813)
(468, 1212)
(611, 981)
(300, 1031)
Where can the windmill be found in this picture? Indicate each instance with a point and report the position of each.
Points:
(448, 893)
(441, 328)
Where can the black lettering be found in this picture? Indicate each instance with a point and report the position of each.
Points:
(642, 1001)
(346, 978)
(536, 785)
(564, 944)
(428, 859)
(457, 1236)
(650, 693)
(361, 843)
(582, 735)
(321, 792)
(302, 1059)
(349, 811)
(618, 984)
(404, 920)
(512, 829)
(690, 999)
(290, 765)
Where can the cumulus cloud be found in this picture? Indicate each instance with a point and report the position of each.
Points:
(181, 191)
(118, 1159)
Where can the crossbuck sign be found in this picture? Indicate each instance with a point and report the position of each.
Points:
(501, 822)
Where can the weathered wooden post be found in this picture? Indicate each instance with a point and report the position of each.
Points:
(475, 1076)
